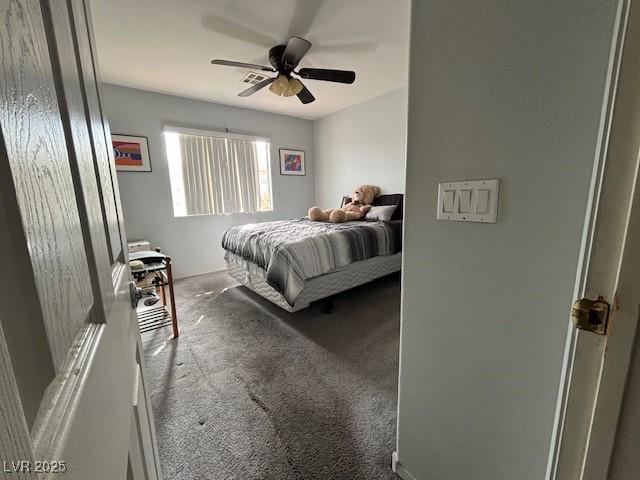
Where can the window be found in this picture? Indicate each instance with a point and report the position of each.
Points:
(216, 173)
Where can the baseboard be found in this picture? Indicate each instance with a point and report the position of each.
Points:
(399, 470)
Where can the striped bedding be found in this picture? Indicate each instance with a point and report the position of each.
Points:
(292, 251)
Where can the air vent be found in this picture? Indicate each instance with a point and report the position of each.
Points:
(252, 78)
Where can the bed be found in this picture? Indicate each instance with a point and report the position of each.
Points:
(293, 263)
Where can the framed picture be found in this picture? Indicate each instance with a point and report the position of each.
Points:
(131, 153)
(292, 162)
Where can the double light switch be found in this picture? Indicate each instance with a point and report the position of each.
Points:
(468, 201)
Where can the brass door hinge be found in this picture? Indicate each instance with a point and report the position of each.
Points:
(591, 315)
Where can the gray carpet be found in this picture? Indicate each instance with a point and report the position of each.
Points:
(250, 391)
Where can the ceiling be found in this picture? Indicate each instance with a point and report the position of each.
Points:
(166, 46)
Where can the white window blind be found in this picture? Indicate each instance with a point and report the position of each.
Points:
(217, 173)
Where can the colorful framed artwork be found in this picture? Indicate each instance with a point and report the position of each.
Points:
(131, 153)
(292, 162)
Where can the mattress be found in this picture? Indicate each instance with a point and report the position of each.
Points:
(358, 273)
(296, 250)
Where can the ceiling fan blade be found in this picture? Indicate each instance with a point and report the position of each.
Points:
(340, 76)
(258, 86)
(294, 51)
(305, 95)
(304, 13)
(235, 30)
(253, 66)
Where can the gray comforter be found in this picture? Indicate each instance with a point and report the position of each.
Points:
(292, 251)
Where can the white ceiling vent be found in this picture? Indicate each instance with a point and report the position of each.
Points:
(252, 78)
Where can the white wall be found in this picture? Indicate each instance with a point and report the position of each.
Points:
(365, 143)
(510, 90)
(194, 242)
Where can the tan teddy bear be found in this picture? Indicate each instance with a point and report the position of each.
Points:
(355, 210)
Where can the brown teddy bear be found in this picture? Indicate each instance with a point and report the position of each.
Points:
(355, 210)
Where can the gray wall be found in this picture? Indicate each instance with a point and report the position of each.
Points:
(365, 143)
(510, 90)
(194, 242)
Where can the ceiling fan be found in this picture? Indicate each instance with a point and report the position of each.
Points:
(284, 59)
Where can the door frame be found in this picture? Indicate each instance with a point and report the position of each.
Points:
(52, 413)
(596, 367)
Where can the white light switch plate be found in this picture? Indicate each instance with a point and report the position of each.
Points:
(469, 201)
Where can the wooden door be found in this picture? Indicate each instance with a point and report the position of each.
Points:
(73, 394)
(597, 365)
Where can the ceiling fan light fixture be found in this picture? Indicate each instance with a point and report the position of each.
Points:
(294, 88)
(274, 88)
(280, 85)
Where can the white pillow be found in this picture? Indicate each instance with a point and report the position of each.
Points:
(380, 213)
